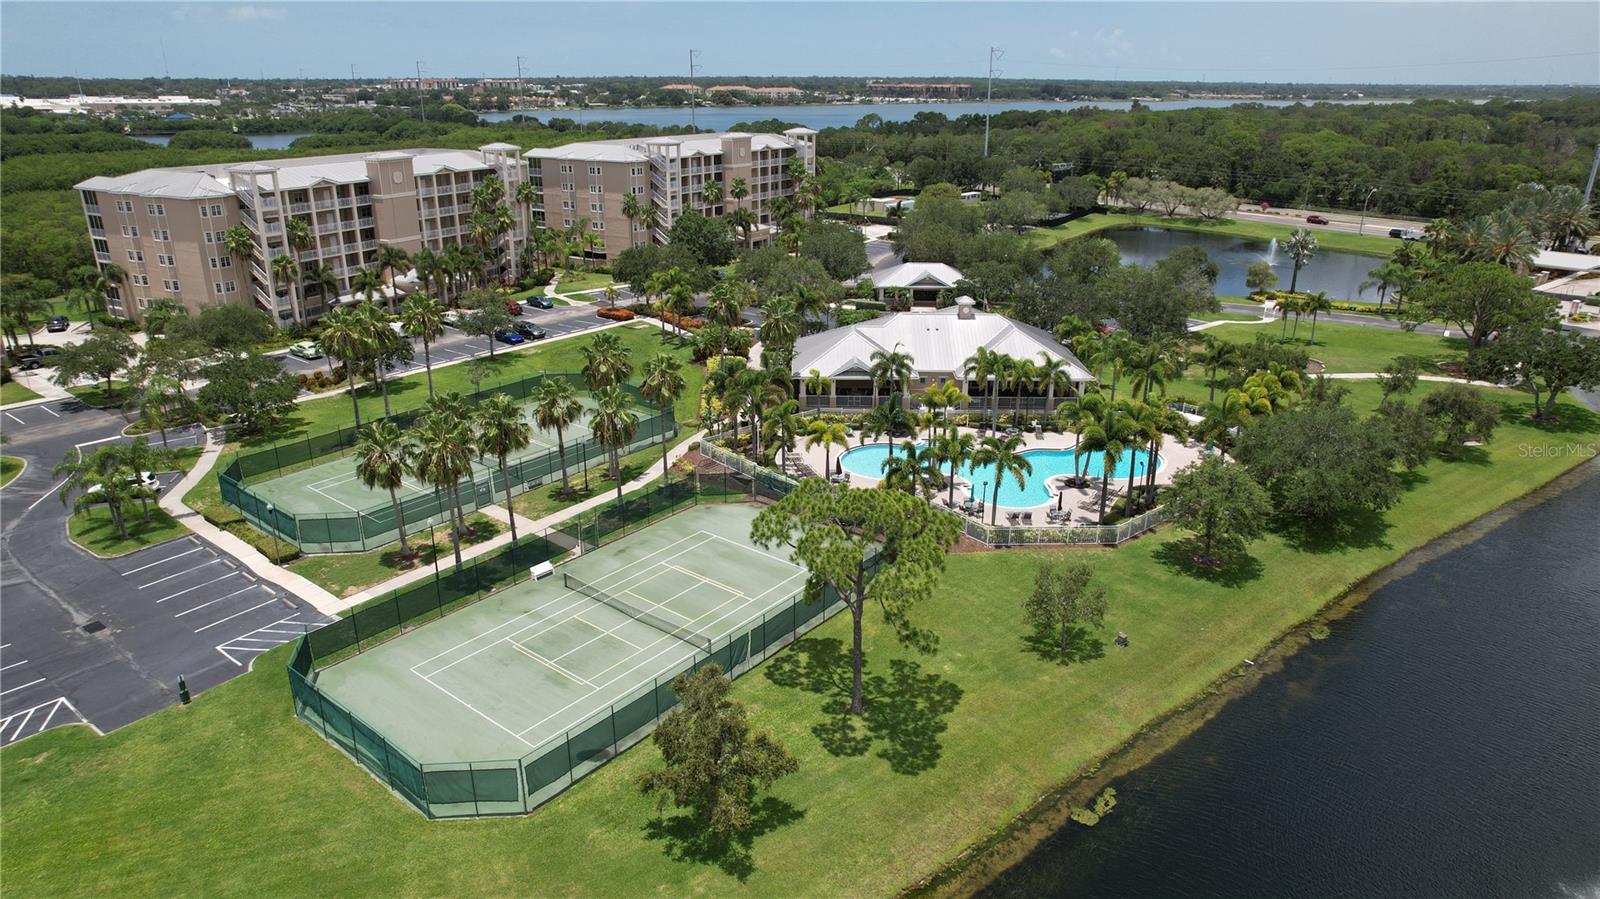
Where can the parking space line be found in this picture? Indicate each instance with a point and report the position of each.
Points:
(23, 687)
(93, 442)
(13, 665)
(215, 601)
(163, 561)
(236, 615)
(198, 586)
(44, 496)
(46, 407)
(181, 573)
(15, 419)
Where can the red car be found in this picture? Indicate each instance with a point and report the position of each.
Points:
(1316, 220)
(513, 307)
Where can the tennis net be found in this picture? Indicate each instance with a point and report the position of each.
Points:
(686, 634)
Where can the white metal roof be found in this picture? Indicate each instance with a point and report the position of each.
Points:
(173, 184)
(1555, 261)
(292, 173)
(917, 274)
(631, 149)
(939, 341)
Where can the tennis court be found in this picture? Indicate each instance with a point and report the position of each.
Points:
(333, 487)
(524, 668)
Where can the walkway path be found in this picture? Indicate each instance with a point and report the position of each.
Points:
(325, 601)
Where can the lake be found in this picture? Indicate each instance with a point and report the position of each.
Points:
(1443, 741)
(1339, 274)
(839, 115)
(258, 141)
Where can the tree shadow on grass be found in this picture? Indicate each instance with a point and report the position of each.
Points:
(906, 708)
(1358, 529)
(685, 837)
(1181, 555)
(1083, 645)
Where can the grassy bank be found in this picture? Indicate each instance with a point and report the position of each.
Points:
(345, 574)
(957, 743)
(14, 392)
(94, 530)
(98, 396)
(1341, 241)
(1352, 348)
(10, 467)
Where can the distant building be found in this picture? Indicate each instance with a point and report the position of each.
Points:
(927, 90)
(927, 282)
(80, 104)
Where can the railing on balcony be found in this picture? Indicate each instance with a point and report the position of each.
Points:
(269, 202)
(364, 222)
(364, 200)
(346, 202)
(98, 232)
(326, 204)
(369, 245)
(299, 208)
(274, 228)
(92, 208)
(102, 257)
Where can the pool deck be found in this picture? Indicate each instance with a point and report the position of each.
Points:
(1082, 503)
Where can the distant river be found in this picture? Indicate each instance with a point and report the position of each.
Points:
(1444, 741)
(721, 118)
(258, 141)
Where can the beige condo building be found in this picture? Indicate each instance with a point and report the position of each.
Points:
(165, 228)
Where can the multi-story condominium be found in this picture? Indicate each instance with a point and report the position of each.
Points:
(587, 181)
(165, 228)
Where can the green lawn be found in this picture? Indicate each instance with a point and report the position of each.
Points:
(14, 392)
(578, 282)
(1354, 348)
(410, 392)
(94, 530)
(96, 394)
(543, 500)
(1327, 240)
(1223, 317)
(345, 574)
(10, 467)
(957, 744)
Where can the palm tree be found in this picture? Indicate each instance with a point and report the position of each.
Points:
(613, 423)
(893, 367)
(1079, 417)
(141, 458)
(738, 189)
(298, 232)
(1150, 365)
(606, 361)
(1221, 420)
(1146, 423)
(501, 431)
(369, 283)
(113, 483)
(1054, 374)
(287, 272)
(1287, 306)
(1508, 242)
(1022, 373)
(383, 455)
(344, 337)
(725, 304)
(1112, 351)
(913, 471)
(632, 209)
(1005, 454)
(377, 338)
(556, 406)
(321, 279)
(780, 328)
(782, 425)
(22, 307)
(817, 383)
(711, 195)
(239, 242)
(422, 316)
(1316, 304)
(612, 294)
(827, 434)
(956, 449)
(982, 366)
(393, 260)
(1108, 436)
(663, 383)
(525, 196)
(1300, 246)
(1218, 355)
(430, 268)
(444, 455)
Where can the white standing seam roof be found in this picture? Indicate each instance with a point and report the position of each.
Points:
(917, 274)
(939, 343)
(631, 149)
(1553, 260)
(292, 173)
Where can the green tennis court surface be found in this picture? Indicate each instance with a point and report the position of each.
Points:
(501, 677)
(332, 487)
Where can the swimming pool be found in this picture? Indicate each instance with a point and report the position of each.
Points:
(867, 461)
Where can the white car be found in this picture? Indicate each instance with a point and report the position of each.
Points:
(397, 329)
(451, 317)
(306, 349)
(146, 480)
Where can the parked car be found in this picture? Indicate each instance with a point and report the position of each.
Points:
(1405, 233)
(531, 331)
(452, 317)
(541, 302)
(513, 307)
(306, 349)
(507, 335)
(32, 358)
(1316, 220)
(146, 479)
(57, 323)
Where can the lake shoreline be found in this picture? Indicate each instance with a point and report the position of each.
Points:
(982, 862)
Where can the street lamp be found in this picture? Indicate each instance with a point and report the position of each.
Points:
(272, 528)
(1362, 228)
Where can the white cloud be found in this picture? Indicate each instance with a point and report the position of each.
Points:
(252, 13)
(1058, 53)
(1113, 43)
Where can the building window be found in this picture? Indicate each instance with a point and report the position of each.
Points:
(636, 171)
(594, 170)
(144, 303)
(216, 211)
(209, 237)
(230, 286)
(124, 206)
(638, 190)
(216, 287)
(597, 188)
(638, 228)
(568, 186)
(139, 280)
(130, 230)
(597, 207)
(164, 260)
(170, 285)
(566, 169)
(227, 262)
(597, 226)
(203, 212)
(136, 255)
(567, 222)
(162, 234)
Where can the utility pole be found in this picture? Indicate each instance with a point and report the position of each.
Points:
(519, 83)
(1588, 189)
(422, 96)
(692, 67)
(988, 97)
(1363, 227)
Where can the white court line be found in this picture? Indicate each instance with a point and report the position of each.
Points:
(549, 664)
(748, 548)
(516, 736)
(181, 573)
(15, 419)
(553, 601)
(236, 615)
(717, 584)
(217, 600)
(198, 586)
(162, 561)
(334, 498)
(13, 665)
(23, 687)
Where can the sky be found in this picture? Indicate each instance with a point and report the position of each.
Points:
(1285, 41)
